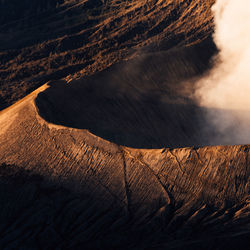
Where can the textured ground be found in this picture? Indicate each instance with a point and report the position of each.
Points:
(117, 159)
(47, 40)
(65, 188)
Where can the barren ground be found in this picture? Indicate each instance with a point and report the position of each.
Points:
(115, 154)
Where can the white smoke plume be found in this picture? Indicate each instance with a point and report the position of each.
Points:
(226, 91)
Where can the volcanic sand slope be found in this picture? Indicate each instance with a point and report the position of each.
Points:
(66, 188)
(68, 182)
(46, 40)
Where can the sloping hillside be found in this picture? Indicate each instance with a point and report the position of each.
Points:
(46, 40)
(119, 158)
(66, 188)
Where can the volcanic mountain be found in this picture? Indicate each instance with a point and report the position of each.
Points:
(110, 150)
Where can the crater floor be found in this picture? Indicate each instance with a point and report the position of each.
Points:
(145, 102)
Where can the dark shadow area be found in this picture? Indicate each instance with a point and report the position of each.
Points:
(40, 213)
(141, 103)
(28, 23)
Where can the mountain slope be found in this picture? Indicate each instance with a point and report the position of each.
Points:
(115, 159)
(66, 188)
(49, 40)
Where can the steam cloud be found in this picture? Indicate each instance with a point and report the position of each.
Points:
(226, 91)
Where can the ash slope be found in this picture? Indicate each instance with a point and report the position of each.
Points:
(66, 188)
(46, 40)
(76, 190)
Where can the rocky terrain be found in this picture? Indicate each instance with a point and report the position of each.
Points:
(66, 188)
(48, 40)
(116, 154)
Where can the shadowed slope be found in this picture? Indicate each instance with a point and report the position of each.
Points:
(141, 103)
(62, 187)
(66, 188)
(76, 190)
(47, 40)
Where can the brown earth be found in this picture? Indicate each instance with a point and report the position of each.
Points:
(48, 40)
(114, 160)
(66, 188)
